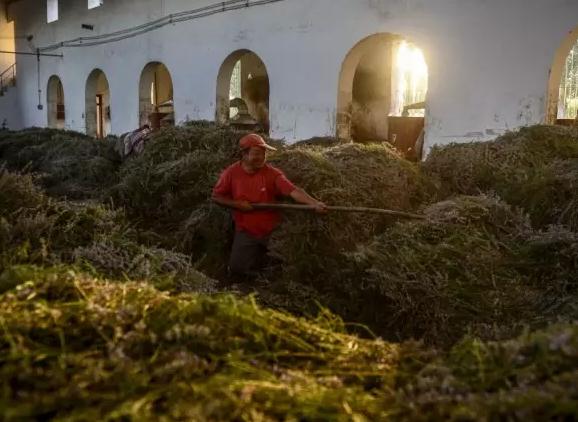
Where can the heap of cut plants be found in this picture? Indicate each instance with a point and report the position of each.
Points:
(67, 164)
(485, 264)
(74, 347)
(535, 168)
(36, 229)
(111, 291)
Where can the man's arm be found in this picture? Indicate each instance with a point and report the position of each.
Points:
(286, 188)
(299, 195)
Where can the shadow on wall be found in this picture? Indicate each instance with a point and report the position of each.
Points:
(256, 95)
(370, 105)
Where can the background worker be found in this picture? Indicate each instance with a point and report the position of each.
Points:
(251, 180)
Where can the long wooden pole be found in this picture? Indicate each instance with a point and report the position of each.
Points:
(297, 207)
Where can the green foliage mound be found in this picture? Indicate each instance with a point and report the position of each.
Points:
(176, 172)
(475, 266)
(169, 186)
(81, 340)
(535, 168)
(18, 191)
(350, 175)
(80, 348)
(69, 164)
(168, 189)
(533, 377)
(35, 229)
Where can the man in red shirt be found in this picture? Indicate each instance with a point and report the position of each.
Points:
(248, 181)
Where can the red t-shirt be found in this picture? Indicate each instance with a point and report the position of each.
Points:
(263, 186)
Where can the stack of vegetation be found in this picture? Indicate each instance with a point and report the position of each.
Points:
(78, 348)
(67, 164)
(351, 175)
(176, 171)
(169, 187)
(475, 266)
(533, 377)
(35, 229)
(78, 344)
(470, 267)
(535, 168)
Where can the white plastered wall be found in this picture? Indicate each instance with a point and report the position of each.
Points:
(489, 61)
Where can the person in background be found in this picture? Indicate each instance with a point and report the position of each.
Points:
(134, 142)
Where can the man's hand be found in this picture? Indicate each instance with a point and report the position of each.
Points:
(243, 206)
(303, 197)
(320, 208)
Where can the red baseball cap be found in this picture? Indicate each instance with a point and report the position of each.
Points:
(254, 140)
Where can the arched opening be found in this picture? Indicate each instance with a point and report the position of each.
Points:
(243, 92)
(382, 93)
(156, 105)
(563, 85)
(55, 103)
(97, 108)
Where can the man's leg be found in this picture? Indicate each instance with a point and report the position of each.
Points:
(247, 254)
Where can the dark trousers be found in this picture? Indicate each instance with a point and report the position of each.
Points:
(248, 254)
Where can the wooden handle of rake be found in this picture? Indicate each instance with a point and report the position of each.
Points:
(296, 207)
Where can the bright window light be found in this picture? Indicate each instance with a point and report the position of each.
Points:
(568, 104)
(236, 85)
(94, 3)
(412, 80)
(51, 10)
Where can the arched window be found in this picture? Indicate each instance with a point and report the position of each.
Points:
(156, 106)
(97, 109)
(55, 103)
(382, 93)
(562, 104)
(243, 92)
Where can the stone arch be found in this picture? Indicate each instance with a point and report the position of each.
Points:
(97, 105)
(55, 103)
(556, 75)
(243, 75)
(380, 97)
(156, 103)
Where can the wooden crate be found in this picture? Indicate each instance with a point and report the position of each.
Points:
(566, 122)
(404, 133)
